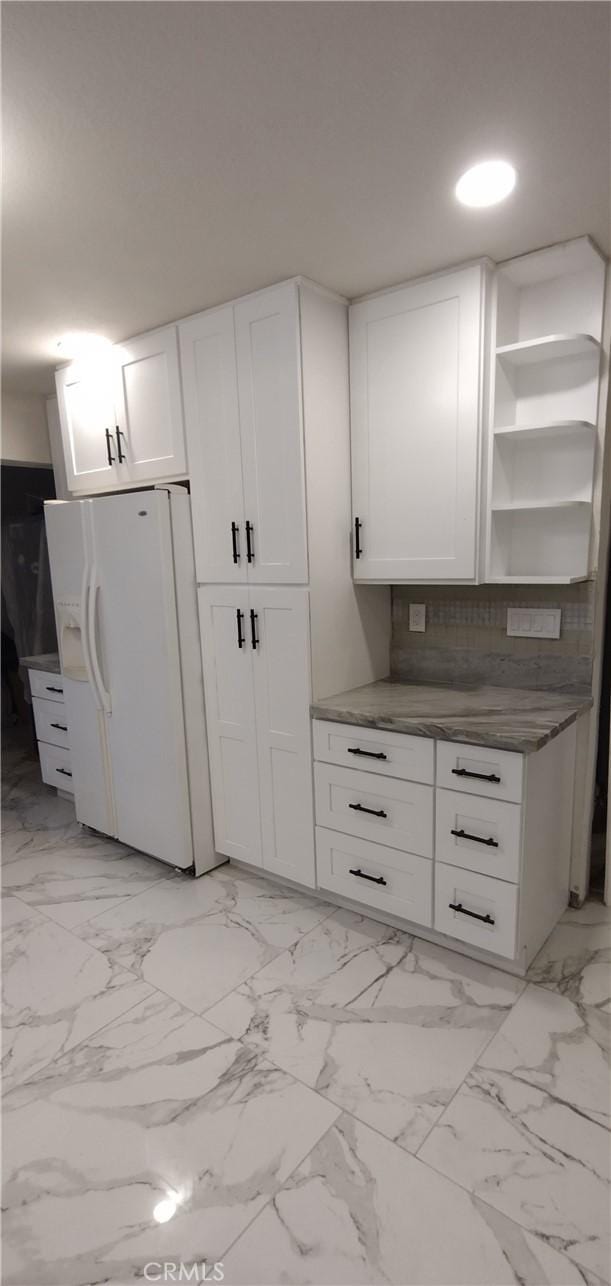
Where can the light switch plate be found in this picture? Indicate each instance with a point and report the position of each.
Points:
(534, 622)
(417, 617)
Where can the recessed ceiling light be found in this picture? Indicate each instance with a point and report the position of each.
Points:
(81, 344)
(486, 183)
(165, 1210)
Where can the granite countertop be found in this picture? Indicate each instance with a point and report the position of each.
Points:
(504, 718)
(49, 662)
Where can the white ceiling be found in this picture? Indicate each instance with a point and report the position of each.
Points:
(163, 157)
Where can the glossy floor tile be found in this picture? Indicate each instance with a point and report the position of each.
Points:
(385, 1025)
(283, 1124)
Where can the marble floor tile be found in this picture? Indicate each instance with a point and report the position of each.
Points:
(157, 1104)
(196, 940)
(383, 1024)
(56, 991)
(576, 959)
(359, 1210)
(77, 882)
(524, 1131)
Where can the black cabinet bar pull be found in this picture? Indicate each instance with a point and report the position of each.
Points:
(362, 875)
(250, 543)
(492, 843)
(253, 629)
(371, 754)
(64, 772)
(234, 542)
(239, 618)
(50, 689)
(109, 455)
(375, 812)
(357, 538)
(63, 727)
(456, 906)
(119, 435)
(480, 776)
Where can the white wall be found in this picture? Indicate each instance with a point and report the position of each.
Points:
(25, 437)
(57, 454)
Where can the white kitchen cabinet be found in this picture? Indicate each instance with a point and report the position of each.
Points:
(255, 649)
(231, 722)
(416, 369)
(243, 406)
(121, 415)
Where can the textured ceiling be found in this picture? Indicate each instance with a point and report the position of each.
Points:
(163, 157)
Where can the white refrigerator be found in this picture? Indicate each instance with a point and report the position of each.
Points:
(124, 590)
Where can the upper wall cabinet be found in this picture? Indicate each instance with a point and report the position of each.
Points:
(121, 416)
(241, 372)
(416, 370)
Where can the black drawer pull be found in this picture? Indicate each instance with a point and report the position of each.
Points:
(492, 843)
(234, 542)
(375, 812)
(254, 637)
(357, 538)
(64, 772)
(250, 543)
(60, 690)
(456, 906)
(481, 776)
(63, 727)
(239, 616)
(369, 754)
(120, 434)
(362, 875)
(109, 455)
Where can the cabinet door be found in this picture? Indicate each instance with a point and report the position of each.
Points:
(280, 637)
(212, 424)
(86, 415)
(148, 406)
(415, 390)
(230, 719)
(269, 378)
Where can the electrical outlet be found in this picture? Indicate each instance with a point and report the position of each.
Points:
(534, 623)
(417, 617)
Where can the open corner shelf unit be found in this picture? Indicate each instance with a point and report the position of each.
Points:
(543, 414)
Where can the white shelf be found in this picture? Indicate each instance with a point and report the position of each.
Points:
(558, 428)
(536, 580)
(521, 506)
(548, 348)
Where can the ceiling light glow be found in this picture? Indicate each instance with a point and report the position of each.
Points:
(486, 184)
(81, 344)
(165, 1210)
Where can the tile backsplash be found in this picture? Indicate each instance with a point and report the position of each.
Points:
(466, 636)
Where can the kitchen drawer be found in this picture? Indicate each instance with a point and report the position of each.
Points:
(392, 754)
(382, 809)
(50, 722)
(478, 770)
(382, 877)
(482, 897)
(491, 839)
(49, 686)
(55, 766)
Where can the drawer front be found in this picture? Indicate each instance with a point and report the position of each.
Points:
(51, 723)
(478, 770)
(391, 754)
(488, 838)
(55, 766)
(49, 686)
(382, 809)
(481, 896)
(381, 877)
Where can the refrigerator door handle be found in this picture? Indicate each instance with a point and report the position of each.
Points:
(85, 587)
(103, 694)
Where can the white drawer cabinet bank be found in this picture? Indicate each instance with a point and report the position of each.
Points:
(469, 844)
(50, 720)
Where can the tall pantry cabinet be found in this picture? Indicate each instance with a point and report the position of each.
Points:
(265, 383)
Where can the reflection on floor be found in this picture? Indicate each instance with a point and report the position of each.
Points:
(311, 1096)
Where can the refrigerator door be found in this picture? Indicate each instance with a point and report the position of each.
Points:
(69, 543)
(136, 658)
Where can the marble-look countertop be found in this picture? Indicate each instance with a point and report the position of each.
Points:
(505, 718)
(49, 662)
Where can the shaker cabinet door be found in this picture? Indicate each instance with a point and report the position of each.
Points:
(87, 419)
(415, 404)
(269, 378)
(212, 422)
(148, 405)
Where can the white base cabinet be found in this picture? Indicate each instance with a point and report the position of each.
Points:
(491, 873)
(52, 729)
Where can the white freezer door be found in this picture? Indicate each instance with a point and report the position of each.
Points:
(135, 638)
